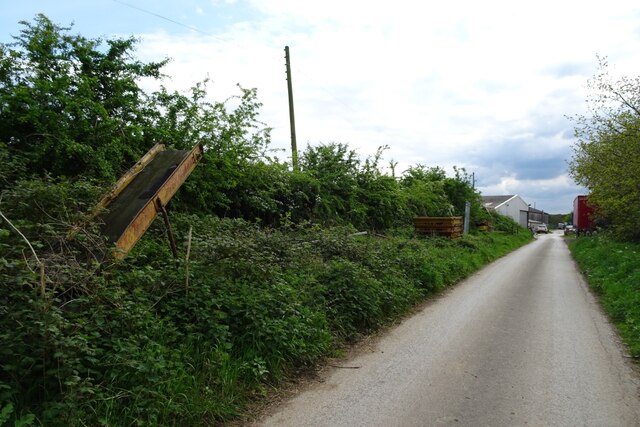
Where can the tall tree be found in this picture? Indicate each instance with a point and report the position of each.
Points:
(72, 105)
(606, 157)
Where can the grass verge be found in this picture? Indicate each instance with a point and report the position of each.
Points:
(612, 269)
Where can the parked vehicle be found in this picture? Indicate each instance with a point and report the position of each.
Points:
(568, 230)
(542, 228)
(582, 215)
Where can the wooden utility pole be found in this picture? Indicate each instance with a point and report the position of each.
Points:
(292, 120)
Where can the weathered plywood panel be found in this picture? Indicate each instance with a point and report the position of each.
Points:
(130, 213)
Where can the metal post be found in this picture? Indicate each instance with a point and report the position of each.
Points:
(292, 120)
(467, 213)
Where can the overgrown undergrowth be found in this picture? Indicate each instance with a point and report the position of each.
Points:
(136, 344)
(613, 270)
(149, 341)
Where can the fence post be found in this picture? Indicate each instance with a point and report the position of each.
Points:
(467, 213)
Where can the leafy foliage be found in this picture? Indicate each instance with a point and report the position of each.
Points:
(606, 156)
(72, 106)
(235, 177)
(69, 105)
(131, 343)
(504, 223)
(277, 277)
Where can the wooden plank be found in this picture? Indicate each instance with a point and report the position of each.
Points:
(439, 226)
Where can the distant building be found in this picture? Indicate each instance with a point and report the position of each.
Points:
(536, 216)
(512, 206)
(516, 208)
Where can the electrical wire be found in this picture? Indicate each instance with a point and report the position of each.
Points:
(157, 15)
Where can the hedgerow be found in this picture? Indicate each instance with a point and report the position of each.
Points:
(277, 277)
(133, 344)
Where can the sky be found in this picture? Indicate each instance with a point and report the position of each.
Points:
(489, 86)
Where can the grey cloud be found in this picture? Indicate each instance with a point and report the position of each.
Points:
(521, 168)
(532, 158)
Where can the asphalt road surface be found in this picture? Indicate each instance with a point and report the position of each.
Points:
(520, 343)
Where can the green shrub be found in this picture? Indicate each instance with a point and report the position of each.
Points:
(131, 344)
(143, 341)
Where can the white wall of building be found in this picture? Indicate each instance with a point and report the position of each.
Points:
(512, 208)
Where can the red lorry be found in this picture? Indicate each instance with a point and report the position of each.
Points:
(583, 215)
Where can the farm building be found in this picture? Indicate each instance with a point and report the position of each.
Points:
(517, 209)
(512, 206)
(537, 216)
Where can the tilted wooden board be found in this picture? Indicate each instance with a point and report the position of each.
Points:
(135, 202)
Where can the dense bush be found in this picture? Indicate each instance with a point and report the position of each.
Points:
(70, 104)
(503, 223)
(277, 278)
(133, 343)
(72, 107)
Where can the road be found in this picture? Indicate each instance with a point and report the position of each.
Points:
(521, 342)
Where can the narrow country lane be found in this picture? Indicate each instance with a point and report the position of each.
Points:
(521, 342)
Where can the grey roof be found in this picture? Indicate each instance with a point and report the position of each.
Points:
(494, 201)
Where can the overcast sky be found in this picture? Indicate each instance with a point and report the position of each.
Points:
(482, 85)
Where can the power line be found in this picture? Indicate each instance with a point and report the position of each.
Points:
(157, 15)
(173, 21)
